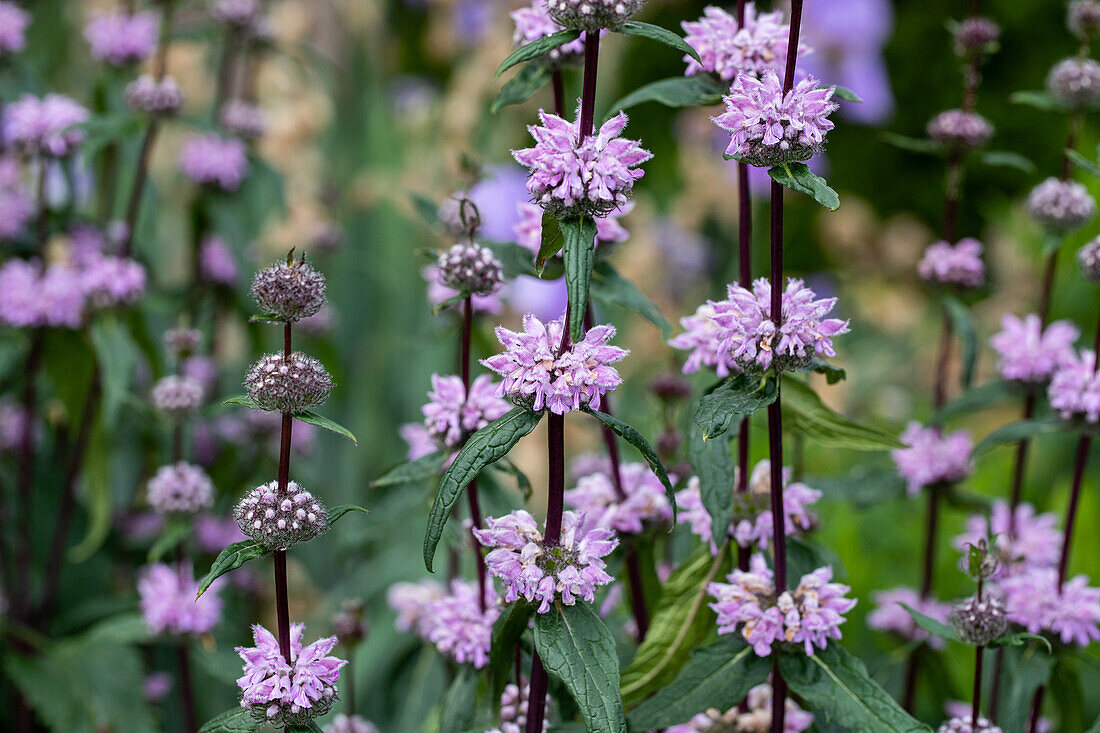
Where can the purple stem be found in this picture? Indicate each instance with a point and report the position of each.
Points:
(187, 692)
(471, 489)
(744, 251)
(559, 92)
(282, 603)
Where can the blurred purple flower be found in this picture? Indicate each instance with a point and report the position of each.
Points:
(32, 297)
(1036, 540)
(959, 264)
(169, 604)
(212, 160)
(891, 617)
(931, 457)
(458, 627)
(1034, 602)
(216, 262)
(121, 38)
(1030, 353)
(645, 500)
(45, 126)
(13, 27)
(1074, 390)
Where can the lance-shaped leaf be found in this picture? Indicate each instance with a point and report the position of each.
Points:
(579, 254)
(718, 676)
(537, 49)
(735, 398)
(963, 324)
(681, 621)
(1088, 166)
(337, 512)
(553, 240)
(1038, 99)
(836, 685)
(1006, 159)
(609, 287)
(1028, 672)
(799, 177)
(699, 90)
(237, 720)
(576, 647)
(486, 446)
(307, 416)
(460, 703)
(805, 413)
(1022, 639)
(659, 34)
(507, 630)
(241, 400)
(832, 374)
(931, 625)
(912, 144)
(632, 436)
(845, 93)
(231, 558)
(1020, 430)
(716, 470)
(520, 87)
(413, 471)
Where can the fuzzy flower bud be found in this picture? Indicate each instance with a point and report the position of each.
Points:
(289, 292)
(979, 622)
(1083, 18)
(592, 15)
(1088, 257)
(470, 268)
(959, 130)
(146, 94)
(177, 396)
(1075, 82)
(1060, 206)
(246, 121)
(280, 518)
(180, 487)
(976, 35)
(964, 724)
(959, 265)
(291, 384)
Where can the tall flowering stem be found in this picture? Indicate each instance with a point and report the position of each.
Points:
(471, 490)
(282, 603)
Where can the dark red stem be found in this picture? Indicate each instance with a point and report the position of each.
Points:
(558, 86)
(588, 87)
(976, 706)
(282, 602)
(187, 692)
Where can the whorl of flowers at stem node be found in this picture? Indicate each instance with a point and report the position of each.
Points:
(180, 487)
(891, 617)
(964, 724)
(592, 15)
(570, 177)
(959, 265)
(1060, 206)
(930, 457)
(1029, 353)
(1083, 18)
(645, 503)
(470, 268)
(168, 600)
(279, 519)
(13, 25)
(31, 295)
(410, 602)
(756, 717)
(289, 291)
(291, 384)
(238, 14)
(770, 128)
(534, 22)
(979, 622)
(1075, 82)
(1074, 389)
(1034, 602)
(246, 121)
(45, 126)
(451, 415)
(177, 396)
(211, 160)
(159, 98)
(182, 342)
(958, 130)
(1088, 257)
(120, 38)
(727, 50)
(457, 625)
(348, 623)
(513, 709)
(976, 35)
(1035, 539)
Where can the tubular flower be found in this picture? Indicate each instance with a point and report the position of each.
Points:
(451, 415)
(537, 376)
(458, 627)
(645, 500)
(289, 291)
(768, 127)
(1033, 601)
(572, 177)
(702, 338)
(533, 570)
(756, 718)
(45, 126)
(959, 130)
(1029, 353)
(180, 487)
(291, 384)
(810, 615)
(279, 519)
(121, 38)
(211, 160)
(960, 265)
(891, 617)
(1074, 389)
(286, 694)
(1060, 206)
(1035, 540)
(932, 458)
(534, 22)
(169, 604)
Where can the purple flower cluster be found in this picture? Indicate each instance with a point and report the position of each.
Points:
(147, 94)
(169, 603)
(216, 262)
(44, 126)
(410, 601)
(242, 119)
(1075, 82)
(1030, 353)
(289, 291)
(533, 570)
(528, 230)
(539, 374)
(975, 35)
(592, 15)
(959, 130)
(291, 384)
(702, 339)
(238, 14)
(120, 38)
(1034, 602)
(450, 415)
(513, 709)
(13, 26)
(965, 724)
(177, 396)
(1088, 258)
(1060, 206)
(574, 177)
(1083, 18)
(727, 50)
(810, 615)
(342, 723)
(112, 281)
(931, 457)
(33, 296)
(534, 22)
(1074, 389)
(889, 615)
(645, 500)
(959, 265)
(757, 716)
(457, 626)
(180, 487)
(280, 518)
(1035, 539)
(211, 160)
(288, 694)
(769, 127)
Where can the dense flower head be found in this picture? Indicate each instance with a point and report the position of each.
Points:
(288, 384)
(979, 622)
(279, 518)
(975, 35)
(534, 22)
(410, 602)
(439, 294)
(891, 617)
(242, 119)
(1075, 82)
(1060, 206)
(13, 27)
(457, 625)
(535, 570)
(769, 127)
(1083, 18)
(528, 230)
(1074, 389)
(726, 50)
(959, 130)
(112, 281)
(155, 97)
(450, 415)
(216, 262)
(755, 718)
(930, 457)
(750, 338)
(810, 615)
(1030, 353)
(645, 500)
(513, 709)
(180, 487)
(286, 694)
(1034, 602)
(289, 291)
(169, 604)
(592, 15)
(212, 160)
(1034, 541)
(539, 374)
(238, 14)
(470, 268)
(177, 396)
(46, 125)
(120, 38)
(180, 342)
(964, 724)
(1088, 258)
(959, 265)
(342, 723)
(32, 296)
(573, 177)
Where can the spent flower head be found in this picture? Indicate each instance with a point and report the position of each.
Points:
(979, 622)
(1060, 206)
(348, 623)
(1027, 352)
(959, 265)
(289, 291)
(180, 487)
(930, 457)
(1075, 82)
(288, 384)
(182, 342)
(280, 518)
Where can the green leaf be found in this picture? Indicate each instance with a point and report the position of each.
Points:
(520, 87)
(864, 486)
(610, 287)
(844, 93)
(173, 533)
(323, 422)
(736, 397)
(413, 471)
(717, 473)
(237, 720)
(1028, 672)
(460, 703)
(522, 482)
(833, 374)
(681, 621)
(428, 209)
(553, 239)
(976, 398)
(241, 400)
(507, 630)
(1021, 639)
(931, 625)
(799, 177)
(576, 648)
(116, 355)
(578, 253)
(1006, 159)
(537, 49)
(963, 323)
(438, 308)
(231, 558)
(1020, 430)
(514, 260)
(835, 683)
(718, 676)
(98, 499)
(912, 144)
(632, 436)
(700, 90)
(336, 512)
(1065, 687)
(804, 411)
(657, 33)
(1088, 166)
(1039, 100)
(484, 447)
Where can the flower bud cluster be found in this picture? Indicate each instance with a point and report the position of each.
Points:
(288, 384)
(162, 98)
(279, 518)
(289, 291)
(177, 396)
(470, 268)
(979, 622)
